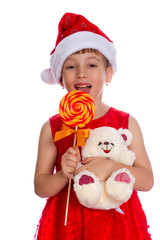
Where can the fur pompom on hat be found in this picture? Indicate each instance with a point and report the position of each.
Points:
(75, 33)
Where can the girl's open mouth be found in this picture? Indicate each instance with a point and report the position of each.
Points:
(83, 87)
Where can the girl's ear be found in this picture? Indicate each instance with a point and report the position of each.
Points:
(61, 82)
(109, 74)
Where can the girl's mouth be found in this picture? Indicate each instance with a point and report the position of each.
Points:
(83, 87)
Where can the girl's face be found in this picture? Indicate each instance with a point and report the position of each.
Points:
(86, 72)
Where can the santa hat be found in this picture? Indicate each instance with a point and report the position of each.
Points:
(76, 33)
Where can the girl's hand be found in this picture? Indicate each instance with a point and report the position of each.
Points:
(100, 166)
(69, 161)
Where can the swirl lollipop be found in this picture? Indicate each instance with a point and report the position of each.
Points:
(76, 109)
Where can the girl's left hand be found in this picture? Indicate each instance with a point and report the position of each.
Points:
(100, 166)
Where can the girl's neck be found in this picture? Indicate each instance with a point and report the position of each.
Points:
(101, 110)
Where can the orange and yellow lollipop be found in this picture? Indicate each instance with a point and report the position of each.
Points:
(77, 109)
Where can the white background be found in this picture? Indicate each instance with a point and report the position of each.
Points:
(28, 32)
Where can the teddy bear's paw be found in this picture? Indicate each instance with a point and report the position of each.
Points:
(122, 177)
(87, 188)
(85, 179)
(120, 185)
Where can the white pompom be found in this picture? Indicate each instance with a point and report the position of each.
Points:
(47, 77)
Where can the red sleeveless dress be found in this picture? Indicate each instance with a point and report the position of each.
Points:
(85, 223)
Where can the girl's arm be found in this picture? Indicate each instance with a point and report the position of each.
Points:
(46, 183)
(141, 170)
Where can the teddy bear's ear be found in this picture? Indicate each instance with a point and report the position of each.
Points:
(126, 134)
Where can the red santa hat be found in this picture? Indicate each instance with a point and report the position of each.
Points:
(76, 33)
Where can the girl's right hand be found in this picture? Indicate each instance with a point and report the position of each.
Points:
(69, 161)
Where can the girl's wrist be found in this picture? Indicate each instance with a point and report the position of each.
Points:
(116, 165)
(65, 177)
(113, 166)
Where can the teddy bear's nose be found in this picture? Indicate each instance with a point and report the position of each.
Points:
(106, 143)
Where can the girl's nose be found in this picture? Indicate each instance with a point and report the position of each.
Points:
(81, 73)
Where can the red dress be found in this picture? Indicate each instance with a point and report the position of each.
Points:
(85, 223)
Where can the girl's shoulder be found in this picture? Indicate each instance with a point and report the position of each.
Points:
(112, 118)
(118, 117)
(118, 113)
(55, 123)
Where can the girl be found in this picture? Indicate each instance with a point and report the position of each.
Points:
(84, 58)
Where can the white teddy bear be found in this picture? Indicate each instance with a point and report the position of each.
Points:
(112, 144)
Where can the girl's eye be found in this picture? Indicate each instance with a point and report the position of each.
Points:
(92, 65)
(70, 67)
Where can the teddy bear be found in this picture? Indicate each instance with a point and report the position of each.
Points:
(112, 144)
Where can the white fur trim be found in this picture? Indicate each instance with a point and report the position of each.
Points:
(47, 77)
(76, 42)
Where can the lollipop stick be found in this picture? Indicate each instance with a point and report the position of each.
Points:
(69, 185)
(69, 189)
(75, 136)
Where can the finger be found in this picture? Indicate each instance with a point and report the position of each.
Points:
(70, 157)
(67, 174)
(72, 150)
(68, 170)
(71, 164)
(87, 160)
(80, 169)
(78, 154)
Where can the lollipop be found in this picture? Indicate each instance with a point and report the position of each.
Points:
(76, 109)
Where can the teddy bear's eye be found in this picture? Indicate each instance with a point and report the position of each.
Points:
(112, 144)
(99, 143)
